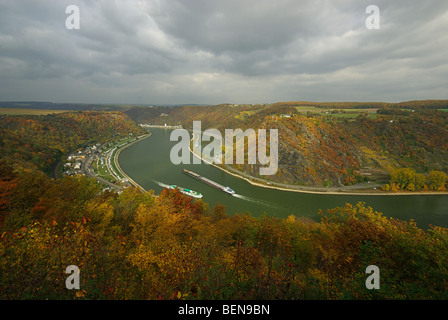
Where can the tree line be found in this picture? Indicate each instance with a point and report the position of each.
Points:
(408, 179)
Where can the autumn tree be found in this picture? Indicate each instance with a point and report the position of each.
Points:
(403, 178)
(420, 182)
(437, 180)
(361, 237)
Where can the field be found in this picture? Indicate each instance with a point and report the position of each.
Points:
(338, 113)
(35, 112)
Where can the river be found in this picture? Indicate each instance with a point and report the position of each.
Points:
(148, 163)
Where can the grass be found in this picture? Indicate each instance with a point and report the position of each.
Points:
(310, 109)
(354, 112)
(36, 112)
(102, 171)
(348, 113)
(353, 115)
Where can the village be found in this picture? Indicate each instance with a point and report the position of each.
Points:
(99, 161)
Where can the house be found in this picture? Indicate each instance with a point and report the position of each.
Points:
(79, 156)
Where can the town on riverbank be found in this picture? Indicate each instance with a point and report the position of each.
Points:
(100, 161)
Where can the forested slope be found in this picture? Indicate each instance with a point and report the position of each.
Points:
(40, 141)
(135, 246)
(321, 146)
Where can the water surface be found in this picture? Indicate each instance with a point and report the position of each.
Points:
(148, 163)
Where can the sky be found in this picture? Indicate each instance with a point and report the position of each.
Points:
(226, 51)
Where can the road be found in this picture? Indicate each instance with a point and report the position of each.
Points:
(88, 171)
(359, 186)
(371, 187)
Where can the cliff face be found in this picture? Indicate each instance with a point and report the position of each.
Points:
(318, 151)
(322, 152)
(312, 153)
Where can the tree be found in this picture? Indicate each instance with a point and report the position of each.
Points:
(403, 177)
(437, 180)
(420, 182)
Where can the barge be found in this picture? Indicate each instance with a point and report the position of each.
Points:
(209, 182)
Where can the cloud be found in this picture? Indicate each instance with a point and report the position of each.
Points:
(205, 51)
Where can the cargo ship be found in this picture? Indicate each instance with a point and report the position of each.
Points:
(209, 182)
(186, 191)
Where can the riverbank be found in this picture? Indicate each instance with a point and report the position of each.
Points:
(351, 190)
(117, 164)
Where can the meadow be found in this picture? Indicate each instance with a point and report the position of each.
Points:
(28, 112)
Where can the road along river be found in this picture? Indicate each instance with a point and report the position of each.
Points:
(148, 163)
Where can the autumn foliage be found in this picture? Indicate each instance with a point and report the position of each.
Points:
(38, 142)
(136, 246)
(133, 245)
(320, 149)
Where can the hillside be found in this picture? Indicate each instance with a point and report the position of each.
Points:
(322, 146)
(135, 246)
(38, 142)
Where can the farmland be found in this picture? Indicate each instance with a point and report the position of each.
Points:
(28, 112)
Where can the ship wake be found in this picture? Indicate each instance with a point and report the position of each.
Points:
(258, 201)
(163, 185)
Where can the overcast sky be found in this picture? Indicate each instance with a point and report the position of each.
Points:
(236, 51)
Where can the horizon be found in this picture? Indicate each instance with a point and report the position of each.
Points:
(210, 104)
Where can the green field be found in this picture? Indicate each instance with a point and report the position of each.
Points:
(346, 113)
(102, 171)
(20, 111)
(310, 109)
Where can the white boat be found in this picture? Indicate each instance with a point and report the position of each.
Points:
(186, 191)
(228, 190)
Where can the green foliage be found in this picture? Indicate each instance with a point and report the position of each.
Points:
(420, 181)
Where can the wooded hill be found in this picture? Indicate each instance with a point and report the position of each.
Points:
(323, 146)
(38, 142)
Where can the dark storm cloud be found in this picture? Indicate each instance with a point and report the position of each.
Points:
(236, 26)
(175, 51)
